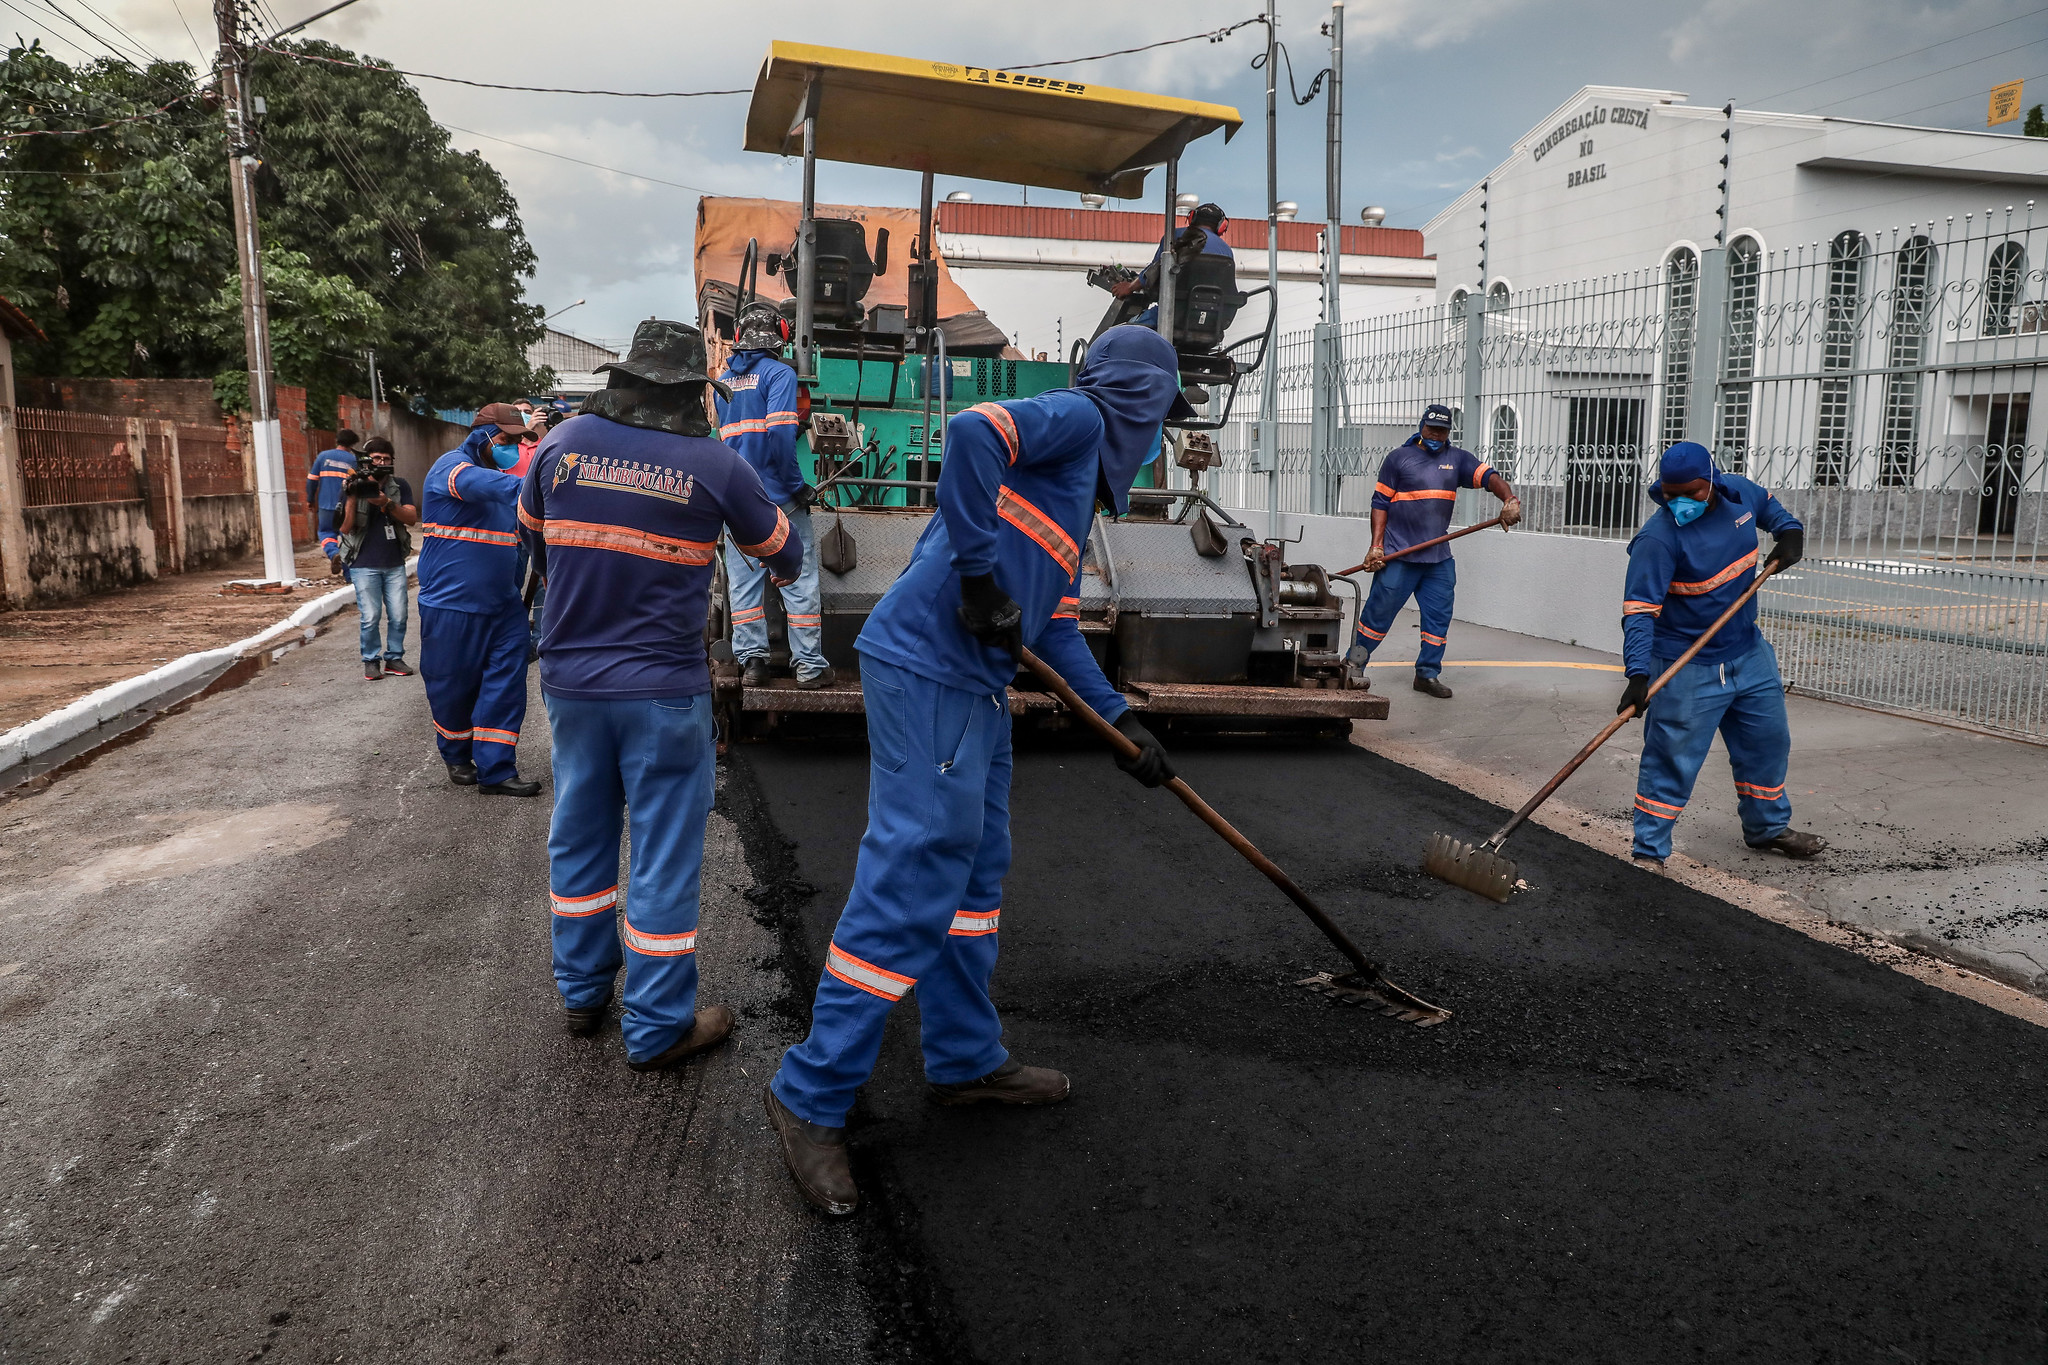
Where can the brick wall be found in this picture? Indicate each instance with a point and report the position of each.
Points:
(170, 400)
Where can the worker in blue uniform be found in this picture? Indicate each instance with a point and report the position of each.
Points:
(1412, 502)
(1203, 236)
(996, 570)
(622, 510)
(759, 421)
(472, 623)
(331, 471)
(1690, 561)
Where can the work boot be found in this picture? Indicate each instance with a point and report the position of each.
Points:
(396, 668)
(584, 1020)
(1653, 866)
(1011, 1083)
(816, 1158)
(511, 786)
(462, 774)
(756, 674)
(1433, 686)
(817, 680)
(373, 669)
(1794, 843)
(712, 1026)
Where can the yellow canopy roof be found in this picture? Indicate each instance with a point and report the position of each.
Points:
(1020, 127)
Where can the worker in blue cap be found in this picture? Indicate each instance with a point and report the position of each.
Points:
(1412, 502)
(997, 570)
(1690, 561)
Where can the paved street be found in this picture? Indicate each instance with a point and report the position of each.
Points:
(291, 1086)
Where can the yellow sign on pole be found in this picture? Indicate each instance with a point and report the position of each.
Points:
(2005, 103)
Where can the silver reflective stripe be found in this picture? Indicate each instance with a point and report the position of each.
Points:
(849, 968)
(657, 945)
(574, 906)
(976, 921)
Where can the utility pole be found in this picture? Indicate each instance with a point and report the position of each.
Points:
(1269, 387)
(1334, 257)
(273, 510)
(1324, 468)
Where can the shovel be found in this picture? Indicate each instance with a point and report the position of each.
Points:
(1424, 545)
(1484, 870)
(1364, 984)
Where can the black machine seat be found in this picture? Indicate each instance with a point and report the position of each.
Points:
(845, 271)
(1205, 302)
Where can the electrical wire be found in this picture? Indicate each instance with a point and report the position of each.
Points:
(492, 85)
(560, 156)
(1214, 35)
(1900, 56)
(1259, 63)
(99, 127)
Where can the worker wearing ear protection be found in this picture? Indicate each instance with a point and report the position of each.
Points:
(473, 632)
(759, 421)
(1690, 561)
(996, 570)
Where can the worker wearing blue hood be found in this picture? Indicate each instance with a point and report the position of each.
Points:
(1689, 563)
(997, 570)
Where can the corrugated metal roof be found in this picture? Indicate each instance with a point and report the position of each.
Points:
(1114, 225)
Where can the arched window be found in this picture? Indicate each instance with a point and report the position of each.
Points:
(1506, 433)
(1899, 456)
(2004, 281)
(1497, 294)
(1844, 321)
(1681, 302)
(1745, 275)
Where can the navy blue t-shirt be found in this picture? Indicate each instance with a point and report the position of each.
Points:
(380, 539)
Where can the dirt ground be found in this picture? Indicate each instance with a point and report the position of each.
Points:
(52, 655)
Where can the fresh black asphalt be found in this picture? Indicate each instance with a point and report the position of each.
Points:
(1658, 1127)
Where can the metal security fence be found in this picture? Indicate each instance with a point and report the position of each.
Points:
(207, 467)
(76, 457)
(1890, 387)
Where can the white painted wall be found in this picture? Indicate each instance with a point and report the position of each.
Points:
(1565, 588)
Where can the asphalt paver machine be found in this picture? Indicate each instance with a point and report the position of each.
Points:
(1197, 619)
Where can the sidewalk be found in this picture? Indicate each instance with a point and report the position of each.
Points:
(55, 654)
(1939, 836)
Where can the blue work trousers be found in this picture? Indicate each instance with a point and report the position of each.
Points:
(380, 603)
(1434, 588)
(657, 760)
(748, 582)
(926, 900)
(474, 668)
(1745, 700)
(328, 520)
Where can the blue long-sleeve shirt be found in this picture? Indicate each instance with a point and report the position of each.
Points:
(624, 523)
(469, 551)
(1682, 577)
(759, 420)
(1418, 491)
(1016, 499)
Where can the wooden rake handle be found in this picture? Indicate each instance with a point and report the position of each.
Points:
(1623, 718)
(1409, 550)
(1116, 740)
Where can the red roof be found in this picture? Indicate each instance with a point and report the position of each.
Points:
(18, 324)
(1114, 225)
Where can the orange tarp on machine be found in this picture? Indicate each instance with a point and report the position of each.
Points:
(724, 225)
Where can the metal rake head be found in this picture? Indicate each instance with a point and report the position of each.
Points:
(1377, 994)
(1474, 867)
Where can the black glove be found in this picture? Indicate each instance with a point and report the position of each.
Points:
(1636, 694)
(806, 497)
(1787, 549)
(1151, 767)
(990, 616)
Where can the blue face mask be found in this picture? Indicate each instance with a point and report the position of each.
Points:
(1685, 510)
(1433, 446)
(506, 456)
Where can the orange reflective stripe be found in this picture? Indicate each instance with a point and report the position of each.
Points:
(797, 620)
(1761, 793)
(1369, 633)
(1707, 585)
(626, 540)
(1070, 607)
(485, 735)
(1006, 426)
(447, 733)
(1433, 639)
(775, 541)
(976, 923)
(476, 535)
(529, 520)
(1451, 493)
(740, 618)
(780, 419)
(743, 427)
(1633, 608)
(575, 907)
(1021, 514)
(866, 975)
(1657, 808)
(656, 945)
(453, 491)
(1479, 475)
(1383, 490)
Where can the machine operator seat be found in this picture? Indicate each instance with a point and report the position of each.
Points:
(845, 271)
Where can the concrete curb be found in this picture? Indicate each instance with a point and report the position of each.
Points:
(88, 713)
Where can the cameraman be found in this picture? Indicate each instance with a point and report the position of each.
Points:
(377, 508)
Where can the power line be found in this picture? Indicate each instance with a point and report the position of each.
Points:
(559, 156)
(492, 85)
(2002, 52)
(1899, 56)
(1214, 35)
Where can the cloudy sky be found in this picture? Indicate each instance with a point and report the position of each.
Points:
(1435, 91)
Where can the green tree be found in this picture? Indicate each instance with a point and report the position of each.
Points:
(2036, 125)
(119, 241)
